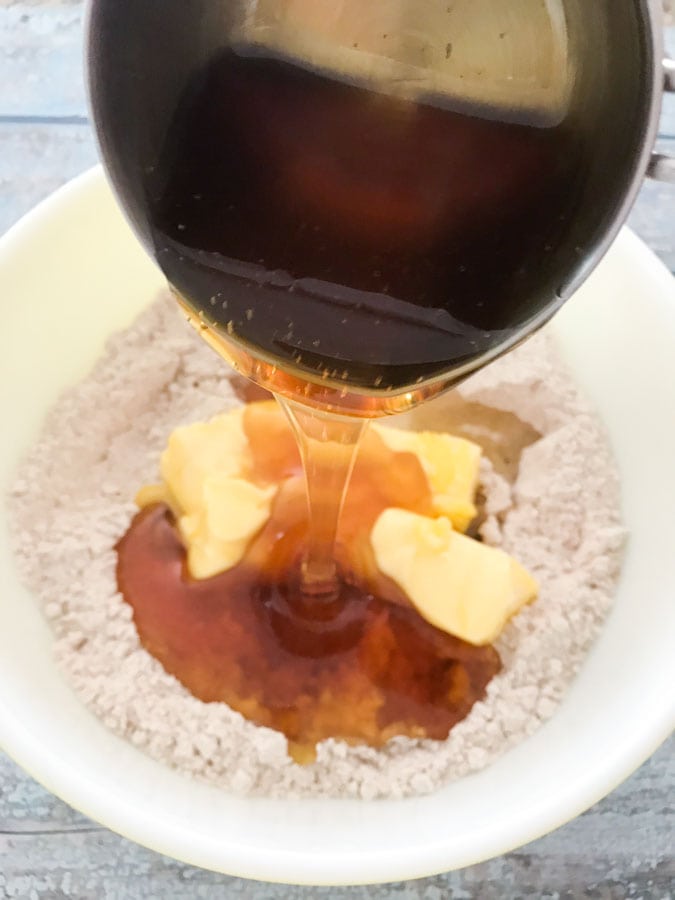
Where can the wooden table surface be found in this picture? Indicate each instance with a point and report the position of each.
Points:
(622, 848)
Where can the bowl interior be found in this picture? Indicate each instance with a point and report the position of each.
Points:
(70, 273)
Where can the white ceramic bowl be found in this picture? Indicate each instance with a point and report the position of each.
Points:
(70, 273)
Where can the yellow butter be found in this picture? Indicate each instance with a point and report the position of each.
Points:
(451, 464)
(235, 508)
(218, 533)
(206, 467)
(150, 494)
(461, 586)
(196, 452)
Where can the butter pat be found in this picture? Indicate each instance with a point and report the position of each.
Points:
(217, 534)
(451, 465)
(206, 470)
(196, 452)
(150, 494)
(459, 585)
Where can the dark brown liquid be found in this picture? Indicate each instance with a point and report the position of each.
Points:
(342, 232)
(364, 667)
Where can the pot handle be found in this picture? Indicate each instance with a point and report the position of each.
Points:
(662, 167)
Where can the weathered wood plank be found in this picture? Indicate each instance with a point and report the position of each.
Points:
(622, 848)
(26, 807)
(41, 71)
(35, 160)
(653, 216)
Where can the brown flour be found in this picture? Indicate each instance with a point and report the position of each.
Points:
(73, 499)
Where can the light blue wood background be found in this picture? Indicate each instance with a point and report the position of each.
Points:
(622, 848)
